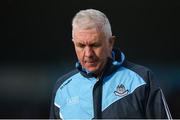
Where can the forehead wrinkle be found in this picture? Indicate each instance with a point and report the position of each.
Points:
(86, 36)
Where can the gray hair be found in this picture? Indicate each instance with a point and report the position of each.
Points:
(90, 18)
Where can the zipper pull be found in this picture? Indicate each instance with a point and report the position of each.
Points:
(97, 79)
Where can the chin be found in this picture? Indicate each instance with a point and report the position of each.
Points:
(92, 69)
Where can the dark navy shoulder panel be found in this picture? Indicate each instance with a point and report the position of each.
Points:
(144, 72)
(62, 79)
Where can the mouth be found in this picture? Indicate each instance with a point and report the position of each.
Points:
(90, 63)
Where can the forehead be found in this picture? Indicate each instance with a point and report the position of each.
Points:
(88, 35)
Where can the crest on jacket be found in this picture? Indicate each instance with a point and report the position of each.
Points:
(121, 90)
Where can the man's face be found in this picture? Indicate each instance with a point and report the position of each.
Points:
(92, 49)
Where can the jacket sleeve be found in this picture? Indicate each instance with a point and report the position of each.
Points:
(156, 106)
(54, 110)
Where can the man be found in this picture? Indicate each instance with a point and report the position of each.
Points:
(104, 85)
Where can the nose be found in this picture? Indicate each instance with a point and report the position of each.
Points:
(88, 52)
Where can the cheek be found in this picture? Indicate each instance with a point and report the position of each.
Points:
(102, 53)
(79, 55)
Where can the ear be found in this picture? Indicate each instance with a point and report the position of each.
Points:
(112, 41)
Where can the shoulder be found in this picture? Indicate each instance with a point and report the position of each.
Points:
(145, 73)
(64, 78)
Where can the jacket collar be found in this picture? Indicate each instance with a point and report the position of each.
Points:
(112, 64)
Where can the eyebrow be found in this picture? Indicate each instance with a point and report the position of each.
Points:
(88, 44)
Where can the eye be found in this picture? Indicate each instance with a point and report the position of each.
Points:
(96, 45)
(80, 45)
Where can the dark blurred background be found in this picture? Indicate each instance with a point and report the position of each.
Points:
(36, 47)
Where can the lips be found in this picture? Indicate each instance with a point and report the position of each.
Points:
(90, 62)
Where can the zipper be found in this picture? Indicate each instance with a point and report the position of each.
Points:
(97, 97)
